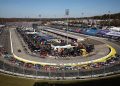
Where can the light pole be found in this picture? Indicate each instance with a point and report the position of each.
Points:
(104, 70)
(67, 13)
(23, 67)
(49, 72)
(40, 20)
(63, 71)
(109, 18)
(39, 16)
(82, 18)
(78, 71)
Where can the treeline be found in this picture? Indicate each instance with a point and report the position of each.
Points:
(115, 16)
(114, 22)
(107, 16)
(3, 20)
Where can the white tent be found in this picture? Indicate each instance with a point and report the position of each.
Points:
(2, 25)
(115, 29)
(31, 32)
(66, 46)
(113, 33)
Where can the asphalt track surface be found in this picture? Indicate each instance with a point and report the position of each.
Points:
(5, 40)
(101, 51)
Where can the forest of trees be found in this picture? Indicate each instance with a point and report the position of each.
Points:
(107, 16)
(114, 19)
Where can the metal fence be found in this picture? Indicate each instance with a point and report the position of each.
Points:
(64, 74)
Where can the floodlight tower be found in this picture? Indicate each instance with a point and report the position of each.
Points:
(40, 21)
(67, 14)
(39, 17)
(82, 18)
(109, 18)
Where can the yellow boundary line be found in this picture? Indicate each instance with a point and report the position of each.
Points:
(103, 59)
